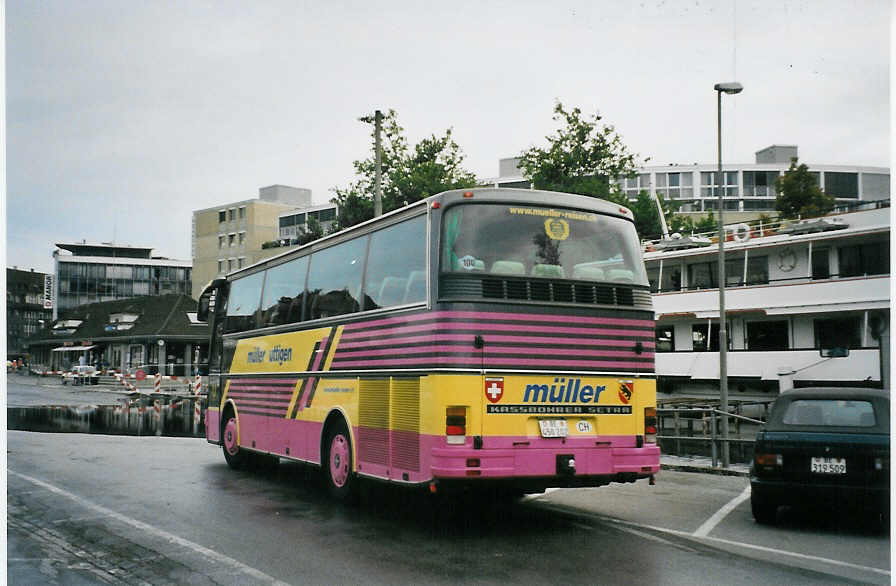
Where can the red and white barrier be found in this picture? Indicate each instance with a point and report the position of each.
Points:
(157, 384)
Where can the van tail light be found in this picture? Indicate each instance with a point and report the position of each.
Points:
(650, 425)
(769, 460)
(456, 425)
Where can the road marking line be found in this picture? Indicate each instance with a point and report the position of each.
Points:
(686, 534)
(256, 575)
(711, 523)
(804, 556)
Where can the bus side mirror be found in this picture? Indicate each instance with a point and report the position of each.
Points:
(206, 299)
(834, 352)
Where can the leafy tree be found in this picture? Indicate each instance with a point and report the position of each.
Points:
(408, 175)
(313, 231)
(647, 219)
(799, 194)
(581, 157)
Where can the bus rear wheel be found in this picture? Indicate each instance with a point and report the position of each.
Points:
(337, 464)
(236, 458)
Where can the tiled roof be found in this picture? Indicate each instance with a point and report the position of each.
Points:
(162, 316)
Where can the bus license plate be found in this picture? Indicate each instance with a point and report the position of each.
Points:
(828, 465)
(553, 427)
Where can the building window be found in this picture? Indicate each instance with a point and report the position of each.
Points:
(864, 259)
(767, 335)
(220, 266)
(841, 184)
(844, 332)
(759, 183)
(709, 183)
(222, 216)
(240, 262)
(230, 214)
(230, 239)
(242, 238)
(242, 212)
(221, 241)
(665, 339)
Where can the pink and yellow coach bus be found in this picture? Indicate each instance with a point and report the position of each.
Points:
(495, 338)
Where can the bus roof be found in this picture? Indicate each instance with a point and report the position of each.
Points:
(490, 194)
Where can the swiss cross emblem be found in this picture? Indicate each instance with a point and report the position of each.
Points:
(626, 388)
(494, 389)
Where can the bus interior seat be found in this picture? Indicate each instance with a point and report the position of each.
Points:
(416, 287)
(585, 272)
(550, 271)
(622, 276)
(508, 267)
(391, 291)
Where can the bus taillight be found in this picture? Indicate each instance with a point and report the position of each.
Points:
(455, 425)
(650, 425)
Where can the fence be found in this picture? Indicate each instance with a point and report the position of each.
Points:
(696, 430)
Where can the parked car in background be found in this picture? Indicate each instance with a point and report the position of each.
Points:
(828, 447)
(81, 375)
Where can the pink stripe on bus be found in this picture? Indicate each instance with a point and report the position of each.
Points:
(490, 361)
(492, 351)
(486, 327)
(500, 316)
(432, 339)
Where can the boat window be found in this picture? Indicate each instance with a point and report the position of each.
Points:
(843, 332)
(821, 263)
(864, 259)
(757, 270)
(653, 275)
(830, 413)
(705, 337)
(665, 339)
(767, 335)
(671, 277)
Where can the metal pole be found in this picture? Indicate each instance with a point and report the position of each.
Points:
(378, 180)
(723, 331)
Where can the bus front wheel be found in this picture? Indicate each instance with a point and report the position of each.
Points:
(236, 458)
(337, 464)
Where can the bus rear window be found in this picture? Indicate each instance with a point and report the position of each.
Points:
(540, 242)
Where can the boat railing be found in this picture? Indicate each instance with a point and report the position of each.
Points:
(742, 231)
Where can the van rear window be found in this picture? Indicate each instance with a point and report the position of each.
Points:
(830, 413)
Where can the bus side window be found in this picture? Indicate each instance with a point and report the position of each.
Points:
(284, 287)
(396, 265)
(243, 303)
(334, 279)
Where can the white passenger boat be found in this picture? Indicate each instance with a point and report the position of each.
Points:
(807, 303)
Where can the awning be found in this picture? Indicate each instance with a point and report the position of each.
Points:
(73, 348)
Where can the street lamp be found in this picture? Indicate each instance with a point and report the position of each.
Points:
(723, 88)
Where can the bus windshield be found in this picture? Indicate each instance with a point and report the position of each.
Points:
(536, 241)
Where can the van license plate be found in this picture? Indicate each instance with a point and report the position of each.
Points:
(553, 427)
(828, 465)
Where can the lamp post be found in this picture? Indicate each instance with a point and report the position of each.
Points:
(723, 88)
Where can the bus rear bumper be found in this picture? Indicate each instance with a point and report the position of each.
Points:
(569, 464)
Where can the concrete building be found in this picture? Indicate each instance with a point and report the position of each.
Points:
(29, 305)
(230, 236)
(749, 188)
(90, 273)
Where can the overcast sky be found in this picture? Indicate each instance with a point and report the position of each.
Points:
(124, 117)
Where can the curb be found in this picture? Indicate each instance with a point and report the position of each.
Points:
(705, 470)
